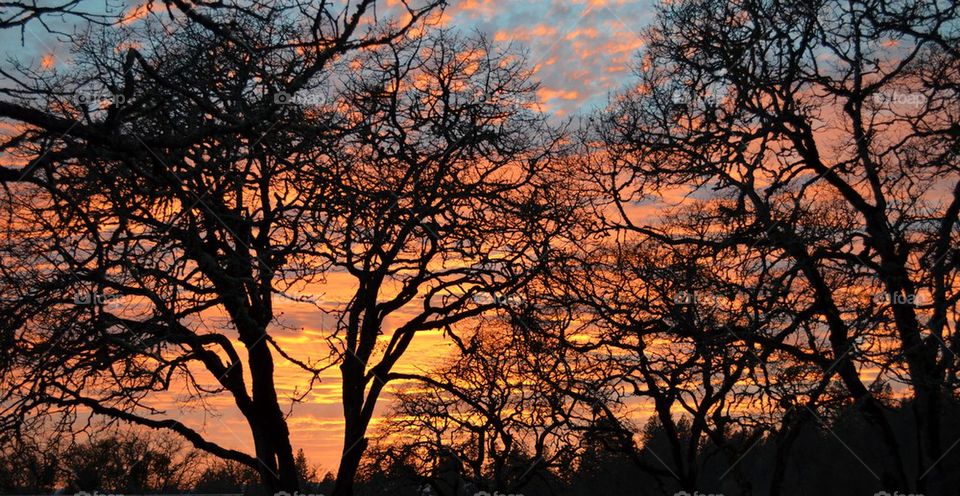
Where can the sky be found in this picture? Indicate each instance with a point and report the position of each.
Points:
(580, 50)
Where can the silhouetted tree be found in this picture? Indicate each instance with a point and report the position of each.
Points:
(129, 463)
(821, 140)
(107, 460)
(226, 477)
(176, 189)
(443, 198)
(485, 421)
(229, 169)
(28, 466)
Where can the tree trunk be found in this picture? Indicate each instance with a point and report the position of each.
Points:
(354, 445)
(354, 442)
(271, 434)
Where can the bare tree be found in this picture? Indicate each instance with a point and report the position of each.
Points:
(826, 136)
(443, 200)
(228, 169)
(489, 414)
(664, 327)
(162, 179)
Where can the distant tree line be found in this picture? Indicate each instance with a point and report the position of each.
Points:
(129, 462)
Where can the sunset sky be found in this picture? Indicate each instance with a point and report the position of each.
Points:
(581, 50)
(578, 247)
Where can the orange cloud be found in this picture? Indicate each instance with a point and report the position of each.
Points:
(557, 94)
(137, 13)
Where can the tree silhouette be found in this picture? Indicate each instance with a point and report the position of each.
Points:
(744, 265)
(486, 421)
(443, 189)
(790, 119)
(132, 220)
